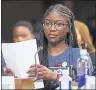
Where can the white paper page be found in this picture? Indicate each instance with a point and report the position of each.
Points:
(9, 54)
(8, 82)
(25, 56)
(19, 56)
(39, 84)
(91, 82)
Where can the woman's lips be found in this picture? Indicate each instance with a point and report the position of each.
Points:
(52, 35)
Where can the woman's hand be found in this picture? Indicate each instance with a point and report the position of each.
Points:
(8, 72)
(43, 72)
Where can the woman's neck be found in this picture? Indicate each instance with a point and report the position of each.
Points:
(57, 49)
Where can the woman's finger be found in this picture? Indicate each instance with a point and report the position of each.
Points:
(40, 77)
(8, 70)
(40, 66)
(40, 69)
(41, 73)
(31, 70)
(33, 65)
(32, 75)
(8, 74)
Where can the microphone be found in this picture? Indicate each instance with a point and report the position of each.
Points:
(36, 67)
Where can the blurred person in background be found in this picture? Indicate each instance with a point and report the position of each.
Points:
(84, 40)
(22, 31)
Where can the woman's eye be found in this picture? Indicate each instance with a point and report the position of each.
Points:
(47, 24)
(60, 24)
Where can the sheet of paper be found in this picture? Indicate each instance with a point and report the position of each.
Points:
(8, 82)
(39, 84)
(91, 82)
(19, 56)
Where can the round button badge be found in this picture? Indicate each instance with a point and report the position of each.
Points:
(64, 64)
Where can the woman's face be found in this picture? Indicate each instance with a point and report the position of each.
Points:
(22, 33)
(55, 27)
